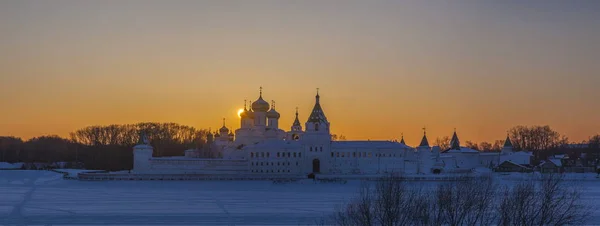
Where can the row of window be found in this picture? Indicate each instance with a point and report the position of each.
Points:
(271, 171)
(279, 154)
(359, 154)
(320, 149)
(272, 163)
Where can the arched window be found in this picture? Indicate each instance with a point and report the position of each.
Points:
(251, 154)
(332, 154)
(288, 163)
(261, 163)
(337, 154)
(299, 154)
(252, 163)
(268, 154)
(296, 163)
(317, 127)
(289, 154)
(277, 154)
(278, 163)
(321, 148)
(294, 154)
(310, 148)
(354, 154)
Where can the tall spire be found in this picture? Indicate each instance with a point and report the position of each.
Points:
(402, 140)
(317, 115)
(260, 91)
(245, 104)
(296, 121)
(424, 141)
(273, 104)
(454, 142)
(317, 97)
(223, 122)
(507, 143)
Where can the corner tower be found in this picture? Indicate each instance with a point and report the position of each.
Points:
(317, 126)
(508, 147)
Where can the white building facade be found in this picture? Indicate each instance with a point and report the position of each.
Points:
(260, 147)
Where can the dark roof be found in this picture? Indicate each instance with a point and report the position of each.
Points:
(507, 142)
(424, 142)
(296, 121)
(454, 142)
(515, 164)
(317, 114)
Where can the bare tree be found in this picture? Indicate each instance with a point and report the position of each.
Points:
(391, 202)
(443, 142)
(547, 202)
(485, 146)
(468, 201)
(471, 145)
(336, 137)
(536, 139)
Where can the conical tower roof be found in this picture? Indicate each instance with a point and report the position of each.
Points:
(507, 143)
(454, 142)
(317, 115)
(424, 141)
(296, 121)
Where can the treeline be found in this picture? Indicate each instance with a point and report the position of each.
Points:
(103, 147)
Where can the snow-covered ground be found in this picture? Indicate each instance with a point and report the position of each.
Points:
(44, 198)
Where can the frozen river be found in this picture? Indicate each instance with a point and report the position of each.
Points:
(44, 198)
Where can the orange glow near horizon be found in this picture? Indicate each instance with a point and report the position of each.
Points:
(383, 67)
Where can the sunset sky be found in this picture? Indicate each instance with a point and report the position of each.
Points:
(383, 67)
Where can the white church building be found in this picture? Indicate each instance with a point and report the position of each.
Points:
(260, 147)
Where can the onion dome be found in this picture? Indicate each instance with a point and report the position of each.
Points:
(244, 113)
(250, 114)
(260, 105)
(224, 129)
(272, 113)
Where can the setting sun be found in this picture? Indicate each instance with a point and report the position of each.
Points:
(240, 112)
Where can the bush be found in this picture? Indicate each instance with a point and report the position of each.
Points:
(467, 201)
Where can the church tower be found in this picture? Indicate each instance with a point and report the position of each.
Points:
(317, 126)
(402, 140)
(260, 108)
(142, 153)
(273, 117)
(508, 147)
(424, 154)
(296, 130)
(454, 142)
(246, 118)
